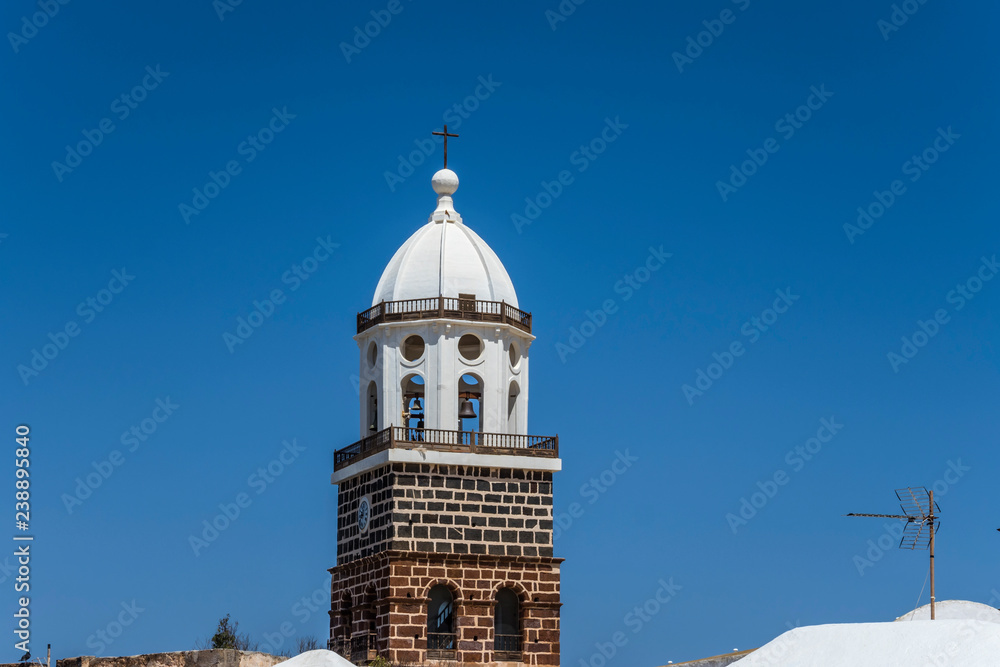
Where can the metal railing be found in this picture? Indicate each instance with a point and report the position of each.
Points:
(440, 307)
(507, 647)
(440, 644)
(364, 647)
(362, 449)
(401, 437)
(340, 646)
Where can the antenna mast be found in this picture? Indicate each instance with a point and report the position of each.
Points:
(919, 510)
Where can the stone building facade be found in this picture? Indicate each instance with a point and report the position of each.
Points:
(444, 524)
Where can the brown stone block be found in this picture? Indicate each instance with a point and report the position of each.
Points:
(544, 612)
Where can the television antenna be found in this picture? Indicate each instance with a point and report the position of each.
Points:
(919, 510)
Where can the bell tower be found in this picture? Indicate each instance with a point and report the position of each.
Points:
(444, 527)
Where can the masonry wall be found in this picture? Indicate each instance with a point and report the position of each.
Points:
(207, 658)
(358, 592)
(393, 588)
(351, 543)
(447, 509)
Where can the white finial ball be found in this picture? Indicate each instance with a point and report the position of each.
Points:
(445, 182)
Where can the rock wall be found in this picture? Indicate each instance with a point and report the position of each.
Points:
(716, 661)
(207, 658)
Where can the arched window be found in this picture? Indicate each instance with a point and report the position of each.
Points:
(364, 645)
(413, 406)
(372, 421)
(506, 626)
(368, 611)
(341, 641)
(440, 623)
(470, 388)
(345, 615)
(513, 407)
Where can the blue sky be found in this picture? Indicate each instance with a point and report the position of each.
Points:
(850, 297)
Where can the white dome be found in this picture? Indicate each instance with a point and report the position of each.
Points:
(445, 258)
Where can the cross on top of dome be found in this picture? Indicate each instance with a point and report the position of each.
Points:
(445, 135)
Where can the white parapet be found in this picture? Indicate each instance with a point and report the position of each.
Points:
(418, 455)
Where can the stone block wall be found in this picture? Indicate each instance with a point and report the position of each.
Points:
(351, 543)
(357, 593)
(392, 589)
(447, 509)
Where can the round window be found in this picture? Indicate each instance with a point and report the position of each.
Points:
(372, 354)
(515, 354)
(413, 348)
(470, 347)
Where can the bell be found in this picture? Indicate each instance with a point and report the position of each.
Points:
(466, 411)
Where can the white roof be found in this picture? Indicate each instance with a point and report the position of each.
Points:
(318, 658)
(445, 258)
(959, 643)
(955, 610)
